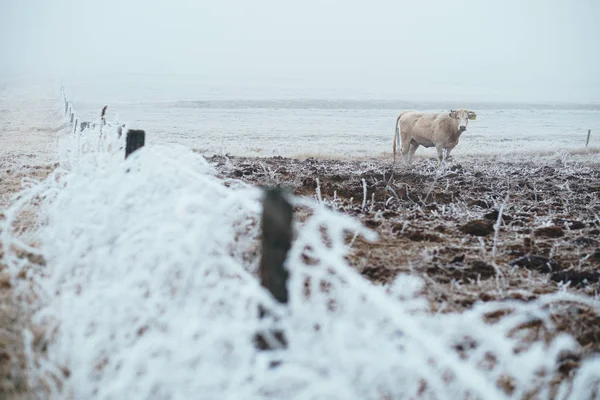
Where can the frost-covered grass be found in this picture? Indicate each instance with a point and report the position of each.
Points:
(150, 292)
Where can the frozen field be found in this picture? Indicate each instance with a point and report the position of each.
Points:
(28, 123)
(256, 121)
(141, 274)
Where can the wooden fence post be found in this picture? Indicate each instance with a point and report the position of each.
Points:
(72, 117)
(276, 227)
(75, 126)
(135, 139)
(588, 138)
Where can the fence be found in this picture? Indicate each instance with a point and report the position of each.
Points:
(276, 225)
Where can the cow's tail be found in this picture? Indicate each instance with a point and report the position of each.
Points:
(397, 136)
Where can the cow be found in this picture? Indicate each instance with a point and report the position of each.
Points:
(439, 130)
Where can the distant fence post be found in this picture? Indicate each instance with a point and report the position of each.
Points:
(102, 115)
(276, 227)
(588, 138)
(75, 126)
(66, 106)
(72, 117)
(135, 139)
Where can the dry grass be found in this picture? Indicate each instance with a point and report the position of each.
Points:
(15, 314)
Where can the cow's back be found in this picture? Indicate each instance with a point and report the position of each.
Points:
(419, 126)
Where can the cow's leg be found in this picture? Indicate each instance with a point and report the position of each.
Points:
(411, 152)
(440, 152)
(406, 147)
(394, 146)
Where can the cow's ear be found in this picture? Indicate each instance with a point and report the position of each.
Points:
(472, 115)
(452, 114)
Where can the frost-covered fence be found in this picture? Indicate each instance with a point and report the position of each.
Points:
(135, 139)
(276, 228)
(152, 284)
(73, 121)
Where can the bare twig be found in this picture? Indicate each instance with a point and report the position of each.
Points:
(364, 203)
(318, 190)
(497, 226)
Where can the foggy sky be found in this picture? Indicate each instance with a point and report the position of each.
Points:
(530, 50)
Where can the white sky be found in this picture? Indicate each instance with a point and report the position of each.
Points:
(529, 50)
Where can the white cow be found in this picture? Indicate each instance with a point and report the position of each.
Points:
(439, 130)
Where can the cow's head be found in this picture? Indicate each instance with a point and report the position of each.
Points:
(463, 116)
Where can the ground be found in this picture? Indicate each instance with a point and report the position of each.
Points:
(444, 225)
(441, 224)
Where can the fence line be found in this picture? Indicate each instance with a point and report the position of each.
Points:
(276, 226)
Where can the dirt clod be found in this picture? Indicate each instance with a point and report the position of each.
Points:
(458, 259)
(493, 216)
(577, 278)
(549, 232)
(483, 269)
(372, 223)
(380, 275)
(569, 224)
(420, 236)
(537, 263)
(478, 227)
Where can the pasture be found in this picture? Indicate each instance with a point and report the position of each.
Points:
(139, 277)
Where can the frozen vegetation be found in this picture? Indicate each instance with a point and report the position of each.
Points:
(149, 286)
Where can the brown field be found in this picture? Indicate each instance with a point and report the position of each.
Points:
(14, 315)
(443, 226)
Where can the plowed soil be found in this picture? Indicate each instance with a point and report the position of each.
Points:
(444, 224)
